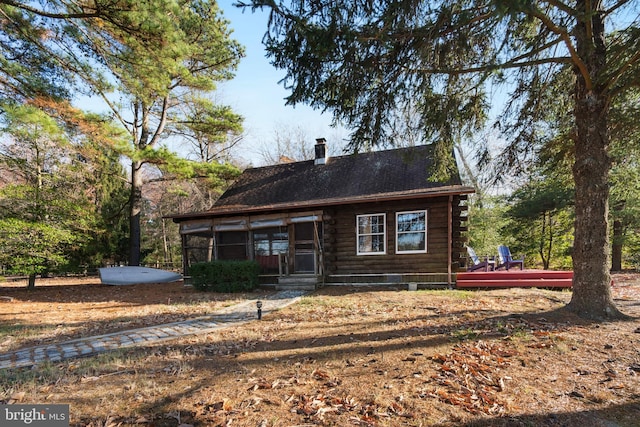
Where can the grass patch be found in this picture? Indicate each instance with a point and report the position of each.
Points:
(450, 293)
(464, 334)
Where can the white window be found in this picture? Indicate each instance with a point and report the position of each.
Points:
(371, 232)
(411, 232)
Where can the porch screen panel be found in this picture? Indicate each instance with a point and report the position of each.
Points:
(307, 235)
(268, 243)
(232, 245)
(197, 248)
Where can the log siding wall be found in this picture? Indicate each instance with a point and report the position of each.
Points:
(340, 238)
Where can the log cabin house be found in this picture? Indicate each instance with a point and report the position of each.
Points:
(361, 218)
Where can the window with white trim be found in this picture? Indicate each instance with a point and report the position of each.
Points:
(371, 234)
(411, 232)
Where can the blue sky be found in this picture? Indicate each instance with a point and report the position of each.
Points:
(256, 94)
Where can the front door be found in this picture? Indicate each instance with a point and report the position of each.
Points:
(307, 238)
(268, 244)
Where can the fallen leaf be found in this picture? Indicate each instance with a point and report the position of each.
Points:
(227, 405)
(17, 397)
(540, 345)
(111, 422)
(320, 374)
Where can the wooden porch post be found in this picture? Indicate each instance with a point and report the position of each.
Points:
(185, 255)
(210, 249)
(450, 239)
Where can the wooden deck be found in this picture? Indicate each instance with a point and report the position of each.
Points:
(515, 278)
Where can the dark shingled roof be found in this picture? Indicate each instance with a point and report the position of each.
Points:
(381, 175)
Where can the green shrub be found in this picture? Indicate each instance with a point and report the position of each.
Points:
(225, 276)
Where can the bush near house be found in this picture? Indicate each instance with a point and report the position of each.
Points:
(225, 276)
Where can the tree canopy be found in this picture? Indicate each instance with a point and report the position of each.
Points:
(367, 62)
(44, 213)
(153, 64)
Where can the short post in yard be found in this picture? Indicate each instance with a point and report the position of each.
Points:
(259, 306)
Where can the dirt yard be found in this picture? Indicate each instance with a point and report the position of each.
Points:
(340, 357)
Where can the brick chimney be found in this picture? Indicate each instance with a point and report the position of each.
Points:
(321, 151)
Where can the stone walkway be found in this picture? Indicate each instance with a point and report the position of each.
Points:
(83, 347)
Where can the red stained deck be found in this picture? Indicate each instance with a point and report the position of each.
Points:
(515, 278)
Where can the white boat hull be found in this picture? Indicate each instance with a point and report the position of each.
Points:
(136, 275)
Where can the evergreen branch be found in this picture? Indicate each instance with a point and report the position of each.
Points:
(564, 34)
(166, 179)
(539, 49)
(506, 65)
(209, 66)
(587, 21)
(561, 6)
(163, 121)
(97, 13)
(625, 67)
(615, 7)
(77, 15)
(114, 109)
(17, 89)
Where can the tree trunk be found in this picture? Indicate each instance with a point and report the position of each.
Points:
(135, 208)
(618, 237)
(616, 247)
(165, 245)
(550, 247)
(591, 280)
(31, 284)
(541, 249)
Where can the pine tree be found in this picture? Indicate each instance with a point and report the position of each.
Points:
(153, 64)
(367, 61)
(44, 213)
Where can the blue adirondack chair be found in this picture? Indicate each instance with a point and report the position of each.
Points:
(476, 265)
(506, 260)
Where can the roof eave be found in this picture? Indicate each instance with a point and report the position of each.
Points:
(382, 197)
